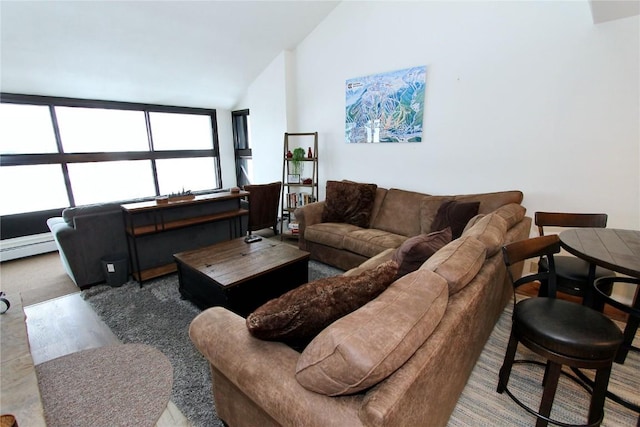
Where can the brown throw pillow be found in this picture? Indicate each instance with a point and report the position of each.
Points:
(416, 250)
(349, 202)
(455, 215)
(300, 314)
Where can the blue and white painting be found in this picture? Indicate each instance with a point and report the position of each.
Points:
(387, 107)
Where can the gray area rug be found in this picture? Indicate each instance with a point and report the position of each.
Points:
(156, 315)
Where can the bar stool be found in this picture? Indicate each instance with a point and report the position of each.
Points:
(572, 273)
(563, 332)
(603, 286)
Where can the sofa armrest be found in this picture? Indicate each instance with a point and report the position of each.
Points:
(265, 372)
(83, 244)
(372, 263)
(307, 215)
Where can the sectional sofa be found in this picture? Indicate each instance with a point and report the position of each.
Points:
(394, 215)
(401, 359)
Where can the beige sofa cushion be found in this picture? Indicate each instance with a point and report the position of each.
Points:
(372, 262)
(489, 202)
(300, 314)
(490, 230)
(329, 233)
(458, 262)
(512, 213)
(400, 213)
(364, 347)
(370, 242)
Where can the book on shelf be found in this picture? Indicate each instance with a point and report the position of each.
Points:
(295, 200)
(293, 227)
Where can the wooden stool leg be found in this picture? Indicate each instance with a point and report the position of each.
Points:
(629, 334)
(509, 356)
(596, 408)
(552, 374)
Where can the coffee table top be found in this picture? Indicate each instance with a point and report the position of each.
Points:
(233, 262)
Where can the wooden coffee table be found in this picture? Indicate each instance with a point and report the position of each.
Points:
(240, 276)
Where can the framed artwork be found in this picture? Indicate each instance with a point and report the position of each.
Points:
(387, 107)
(293, 178)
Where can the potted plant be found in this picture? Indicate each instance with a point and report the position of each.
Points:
(297, 166)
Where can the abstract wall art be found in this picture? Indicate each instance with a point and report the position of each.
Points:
(387, 107)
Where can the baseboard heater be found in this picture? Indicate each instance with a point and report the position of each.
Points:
(21, 247)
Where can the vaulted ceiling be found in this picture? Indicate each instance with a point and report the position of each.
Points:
(191, 53)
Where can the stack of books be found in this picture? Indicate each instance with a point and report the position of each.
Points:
(295, 200)
(293, 227)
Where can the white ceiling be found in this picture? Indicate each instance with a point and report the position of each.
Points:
(188, 53)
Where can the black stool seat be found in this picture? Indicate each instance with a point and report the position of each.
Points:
(567, 328)
(574, 269)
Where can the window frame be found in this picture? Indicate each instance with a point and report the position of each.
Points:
(241, 143)
(63, 159)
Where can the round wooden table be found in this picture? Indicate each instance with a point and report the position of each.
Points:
(617, 250)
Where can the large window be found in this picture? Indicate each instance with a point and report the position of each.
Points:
(58, 152)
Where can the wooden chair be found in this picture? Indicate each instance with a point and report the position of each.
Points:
(563, 332)
(572, 273)
(263, 206)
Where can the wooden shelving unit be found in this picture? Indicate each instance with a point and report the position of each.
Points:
(306, 141)
(145, 223)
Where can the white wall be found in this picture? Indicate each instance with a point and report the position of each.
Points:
(270, 102)
(520, 95)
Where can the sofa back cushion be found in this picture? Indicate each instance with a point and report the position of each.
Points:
(428, 210)
(490, 230)
(458, 262)
(69, 214)
(489, 202)
(349, 202)
(400, 213)
(512, 213)
(381, 193)
(364, 347)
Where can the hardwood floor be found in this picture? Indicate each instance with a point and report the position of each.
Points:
(68, 324)
(63, 326)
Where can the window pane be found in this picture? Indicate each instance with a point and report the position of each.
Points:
(196, 174)
(26, 129)
(246, 171)
(31, 188)
(111, 181)
(90, 130)
(172, 131)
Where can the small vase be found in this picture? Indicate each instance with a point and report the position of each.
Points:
(309, 154)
